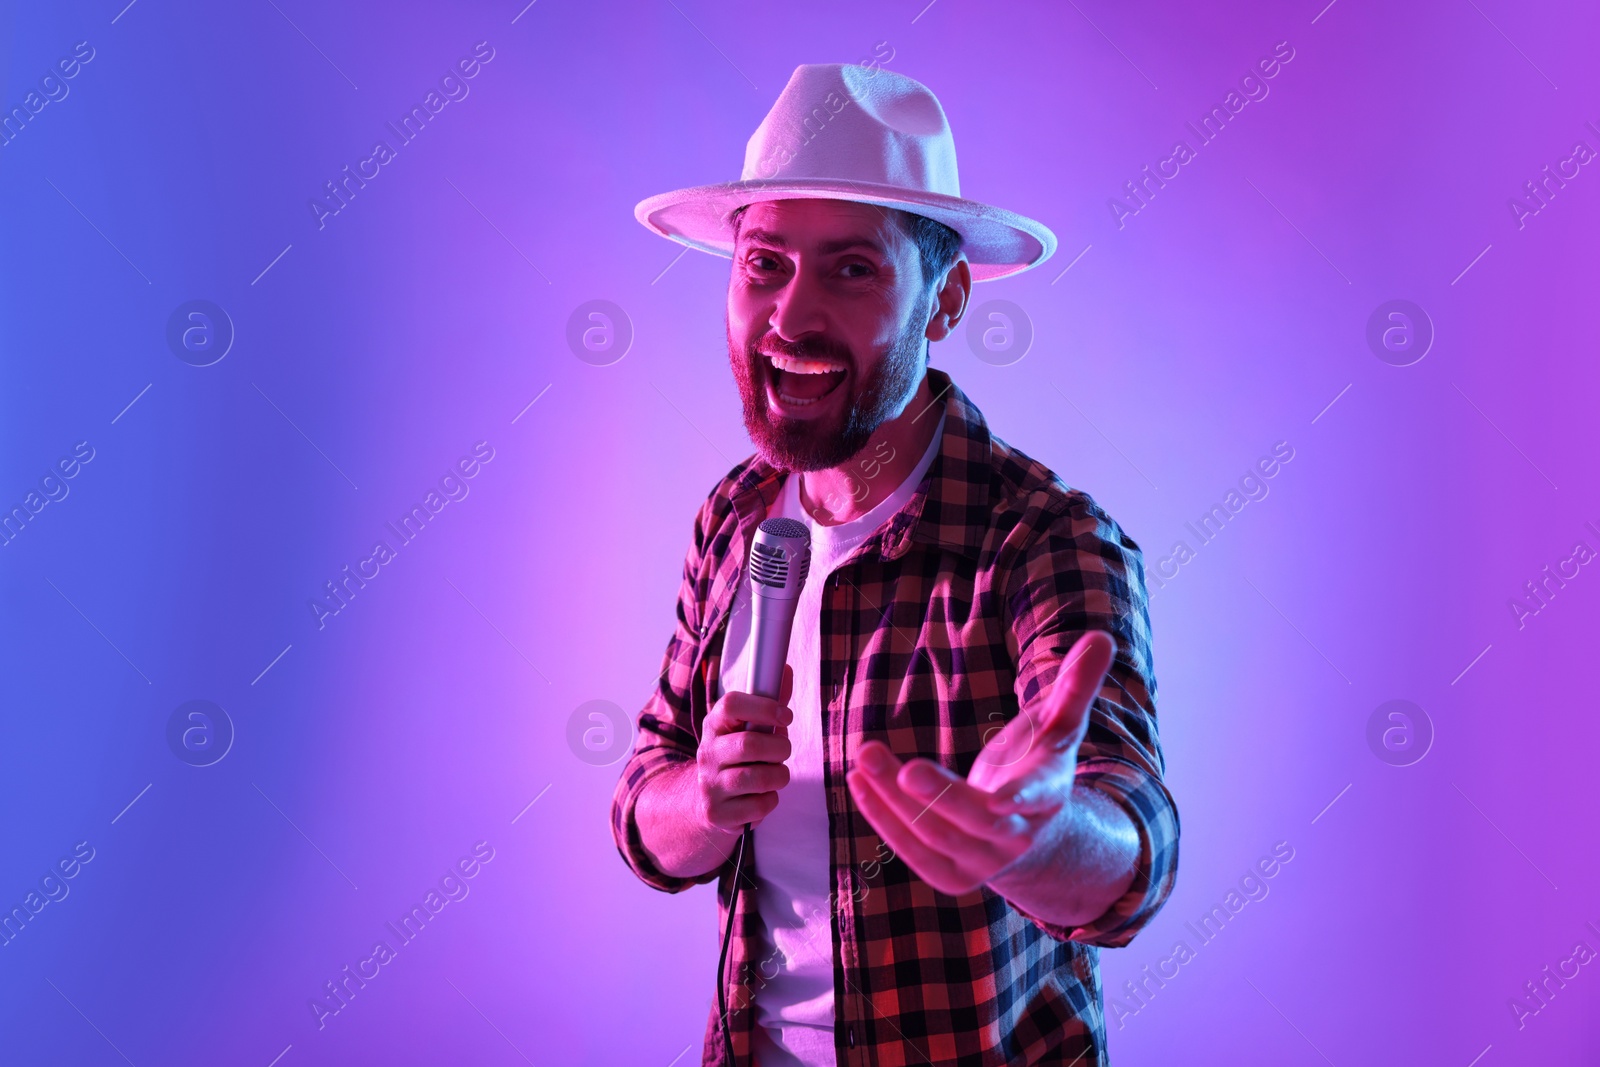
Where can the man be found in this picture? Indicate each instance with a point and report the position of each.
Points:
(960, 798)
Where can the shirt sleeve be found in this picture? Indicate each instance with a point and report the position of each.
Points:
(667, 735)
(1082, 573)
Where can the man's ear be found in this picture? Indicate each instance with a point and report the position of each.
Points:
(950, 300)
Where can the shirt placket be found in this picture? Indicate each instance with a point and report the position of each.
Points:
(838, 602)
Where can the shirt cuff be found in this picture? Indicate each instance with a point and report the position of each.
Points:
(625, 831)
(1155, 819)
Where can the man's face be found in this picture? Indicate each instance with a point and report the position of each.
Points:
(827, 319)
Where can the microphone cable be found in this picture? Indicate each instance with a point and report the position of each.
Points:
(727, 937)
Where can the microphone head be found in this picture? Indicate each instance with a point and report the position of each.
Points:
(780, 558)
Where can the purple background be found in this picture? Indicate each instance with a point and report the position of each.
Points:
(374, 752)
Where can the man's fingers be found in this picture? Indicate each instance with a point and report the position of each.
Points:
(747, 778)
(731, 815)
(749, 746)
(980, 848)
(1022, 765)
(935, 869)
(786, 686)
(972, 853)
(738, 711)
(1077, 683)
(956, 801)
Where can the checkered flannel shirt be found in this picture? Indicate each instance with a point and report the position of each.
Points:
(935, 631)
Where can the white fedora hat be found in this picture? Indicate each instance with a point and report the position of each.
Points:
(846, 132)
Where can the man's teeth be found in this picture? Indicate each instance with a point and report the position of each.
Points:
(791, 365)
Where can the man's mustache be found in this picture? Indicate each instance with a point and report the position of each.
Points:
(805, 348)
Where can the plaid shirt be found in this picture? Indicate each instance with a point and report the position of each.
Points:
(935, 631)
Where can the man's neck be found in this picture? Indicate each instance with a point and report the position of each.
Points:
(847, 492)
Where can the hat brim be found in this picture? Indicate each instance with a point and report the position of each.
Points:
(997, 243)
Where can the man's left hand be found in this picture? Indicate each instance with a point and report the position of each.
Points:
(958, 834)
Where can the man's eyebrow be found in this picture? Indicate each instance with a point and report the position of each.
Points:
(844, 244)
(827, 248)
(763, 237)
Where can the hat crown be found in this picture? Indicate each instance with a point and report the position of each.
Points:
(852, 123)
(862, 134)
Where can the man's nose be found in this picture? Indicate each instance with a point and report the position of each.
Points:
(798, 310)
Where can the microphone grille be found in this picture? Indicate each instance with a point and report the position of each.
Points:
(782, 527)
(780, 557)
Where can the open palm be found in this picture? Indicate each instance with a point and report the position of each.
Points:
(956, 833)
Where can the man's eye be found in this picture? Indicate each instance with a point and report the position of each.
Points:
(855, 270)
(761, 262)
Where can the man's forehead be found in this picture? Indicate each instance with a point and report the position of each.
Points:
(799, 223)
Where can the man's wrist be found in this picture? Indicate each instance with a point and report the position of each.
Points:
(1022, 873)
(680, 840)
(1079, 865)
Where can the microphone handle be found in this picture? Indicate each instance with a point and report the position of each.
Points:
(771, 623)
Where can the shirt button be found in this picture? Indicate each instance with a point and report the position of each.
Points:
(850, 1036)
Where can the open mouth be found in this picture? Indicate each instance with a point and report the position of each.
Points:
(799, 383)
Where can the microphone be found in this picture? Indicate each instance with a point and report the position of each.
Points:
(779, 561)
(780, 558)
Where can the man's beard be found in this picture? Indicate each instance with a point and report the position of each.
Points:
(818, 444)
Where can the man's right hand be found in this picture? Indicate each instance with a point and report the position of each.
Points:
(743, 744)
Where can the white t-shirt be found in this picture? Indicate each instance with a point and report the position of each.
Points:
(794, 1008)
